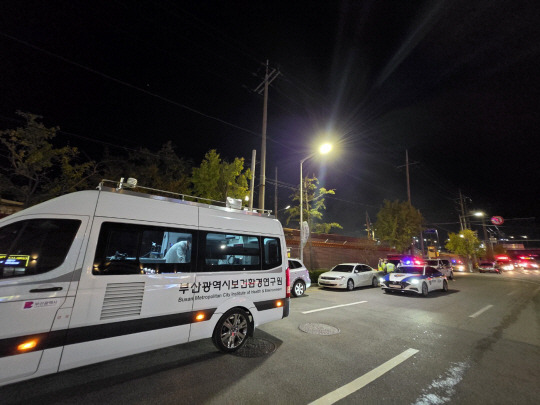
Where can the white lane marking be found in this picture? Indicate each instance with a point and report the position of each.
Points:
(336, 306)
(360, 382)
(480, 312)
(511, 293)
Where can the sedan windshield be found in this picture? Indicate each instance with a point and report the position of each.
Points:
(343, 268)
(411, 270)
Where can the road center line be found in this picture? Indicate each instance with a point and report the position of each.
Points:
(360, 382)
(336, 306)
(480, 312)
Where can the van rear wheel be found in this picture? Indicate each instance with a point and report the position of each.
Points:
(232, 330)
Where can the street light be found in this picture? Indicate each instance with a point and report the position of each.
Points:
(323, 150)
(488, 246)
(282, 209)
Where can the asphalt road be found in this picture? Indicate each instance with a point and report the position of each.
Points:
(478, 343)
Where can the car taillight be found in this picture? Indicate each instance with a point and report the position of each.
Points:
(288, 282)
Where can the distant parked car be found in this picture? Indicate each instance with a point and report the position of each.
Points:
(349, 276)
(490, 267)
(443, 265)
(300, 280)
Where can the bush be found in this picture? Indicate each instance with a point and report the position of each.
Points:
(314, 274)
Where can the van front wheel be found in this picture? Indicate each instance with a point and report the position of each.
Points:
(231, 331)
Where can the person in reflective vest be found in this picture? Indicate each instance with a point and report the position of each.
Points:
(390, 267)
(381, 266)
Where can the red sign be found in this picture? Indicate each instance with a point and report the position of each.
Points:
(497, 220)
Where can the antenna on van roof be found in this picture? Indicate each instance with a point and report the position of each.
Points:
(130, 183)
(235, 203)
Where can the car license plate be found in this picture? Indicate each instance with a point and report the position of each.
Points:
(395, 285)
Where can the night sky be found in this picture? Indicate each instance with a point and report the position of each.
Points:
(456, 83)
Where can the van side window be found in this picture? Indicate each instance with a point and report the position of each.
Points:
(228, 252)
(272, 253)
(139, 249)
(35, 246)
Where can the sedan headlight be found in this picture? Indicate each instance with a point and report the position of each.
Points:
(382, 280)
(414, 281)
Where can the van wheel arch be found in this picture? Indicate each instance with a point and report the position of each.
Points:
(221, 325)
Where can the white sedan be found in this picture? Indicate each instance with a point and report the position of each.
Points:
(417, 279)
(349, 276)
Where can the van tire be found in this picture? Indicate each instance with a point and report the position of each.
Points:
(232, 330)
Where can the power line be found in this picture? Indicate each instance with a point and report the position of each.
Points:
(134, 87)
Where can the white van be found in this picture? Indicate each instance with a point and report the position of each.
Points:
(96, 275)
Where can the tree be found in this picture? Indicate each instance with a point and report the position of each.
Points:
(397, 223)
(313, 204)
(465, 243)
(163, 170)
(32, 169)
(216, 179)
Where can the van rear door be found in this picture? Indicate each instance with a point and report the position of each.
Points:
(38, 256)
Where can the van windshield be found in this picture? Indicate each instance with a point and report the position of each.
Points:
(35, 246)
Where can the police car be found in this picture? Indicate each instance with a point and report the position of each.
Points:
(417, 279)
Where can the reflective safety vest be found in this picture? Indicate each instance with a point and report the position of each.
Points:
(390, 267)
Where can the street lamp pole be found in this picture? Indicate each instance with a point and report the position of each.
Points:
(489, 250)
(302, 208)
(325, 148)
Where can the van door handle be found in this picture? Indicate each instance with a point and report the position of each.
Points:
(38, 290)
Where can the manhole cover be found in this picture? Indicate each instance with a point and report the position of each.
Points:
(319, 329)
(255, 347)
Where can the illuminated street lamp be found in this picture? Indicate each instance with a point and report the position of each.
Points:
(282, 209)
(323, 150)
(487, 242)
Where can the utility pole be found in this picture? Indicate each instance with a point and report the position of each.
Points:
(268, 78)
(275, 198)
(408, 183)
(462, 218)
(252, 183)
(370, 232)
